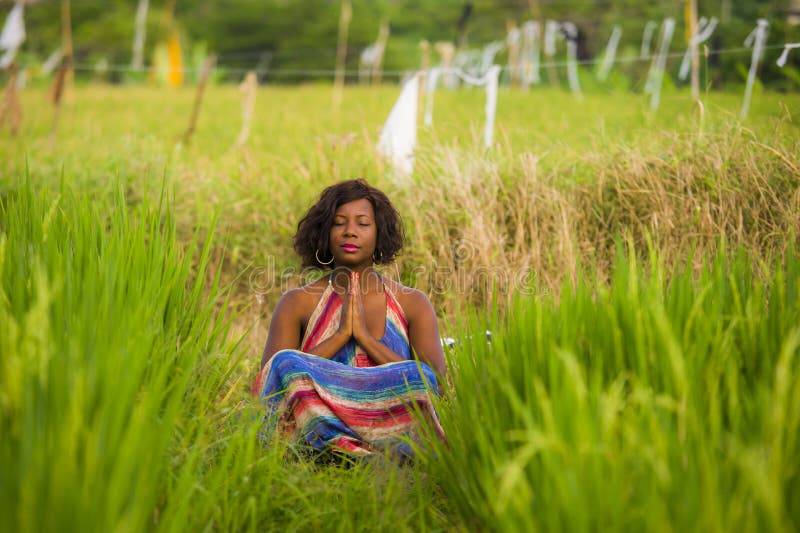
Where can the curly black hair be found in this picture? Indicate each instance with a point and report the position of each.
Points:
(314, 229)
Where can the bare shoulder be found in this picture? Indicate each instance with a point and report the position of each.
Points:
(413, 301)
(302, 300)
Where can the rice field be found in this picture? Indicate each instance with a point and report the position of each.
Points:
(638, 272)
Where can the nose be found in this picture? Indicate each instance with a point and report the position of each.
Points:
(349, 229)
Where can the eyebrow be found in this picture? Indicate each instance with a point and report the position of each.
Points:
(357, 216)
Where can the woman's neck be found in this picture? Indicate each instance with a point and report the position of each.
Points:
(370, 280)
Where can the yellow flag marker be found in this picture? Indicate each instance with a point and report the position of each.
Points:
(175, 58)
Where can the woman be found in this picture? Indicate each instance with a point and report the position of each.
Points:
(337, 368)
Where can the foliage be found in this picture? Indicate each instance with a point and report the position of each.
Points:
(661, 401)
(650, 384)
(654, 401)
(280, 38)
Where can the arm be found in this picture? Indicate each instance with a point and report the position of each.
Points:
(423, 333)
(284, 328)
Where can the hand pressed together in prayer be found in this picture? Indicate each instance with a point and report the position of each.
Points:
(353, 322)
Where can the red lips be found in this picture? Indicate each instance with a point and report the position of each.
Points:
(349, 247)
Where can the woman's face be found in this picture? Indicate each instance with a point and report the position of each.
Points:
(354, 234)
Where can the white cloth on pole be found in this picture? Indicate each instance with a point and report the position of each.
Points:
(488, 55)
(491, 104)
(551, 28)
(756, 39)
(611, 53)
(705, 28)
(781, 62)
(647, 38)
(571, 36)
(430, 87)
(656, 78)
(399, 135)
(13, 34)
(530, 53)
(490, 83)
(51, 62)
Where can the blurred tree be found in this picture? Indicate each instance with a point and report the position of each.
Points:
(283, 37)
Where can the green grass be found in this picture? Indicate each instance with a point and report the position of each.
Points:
(563, 179)
(650, 385)
(655, 402)
(124, 406)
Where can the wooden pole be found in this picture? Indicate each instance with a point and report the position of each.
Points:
(345, 16)
(169, 16)
(10, 107)
(512, 40)
(139, 34)
(691, 29)
(377, 67)
(725, 12)
(447, 52)
(248, 89)
(201, 86)
(66, 41)
(425, 49)
(57, 92)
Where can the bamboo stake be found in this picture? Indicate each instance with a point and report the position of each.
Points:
(248, 90)
(447, 52)
(377, 67)
(691, 30)
(11, 108)
(66, 42)
(57, 92)
(341, 52)
(513, 37)
(139, 34)
(725, 11)
(168, 17)
(425, 48)
(207, 67)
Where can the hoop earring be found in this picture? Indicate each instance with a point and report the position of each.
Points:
(320, 261)
(378, 258)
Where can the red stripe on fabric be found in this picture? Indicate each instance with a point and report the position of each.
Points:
(322, 321)
(364, 361)
(299, 401)
(256, 390)
(351, 445)
(354, 418)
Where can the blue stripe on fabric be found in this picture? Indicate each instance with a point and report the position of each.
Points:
(395, 340)
(322, 429)
(379, 382)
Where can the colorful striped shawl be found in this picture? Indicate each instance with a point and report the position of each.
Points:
(348, 402)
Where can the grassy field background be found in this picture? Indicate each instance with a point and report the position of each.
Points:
(638, 271)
